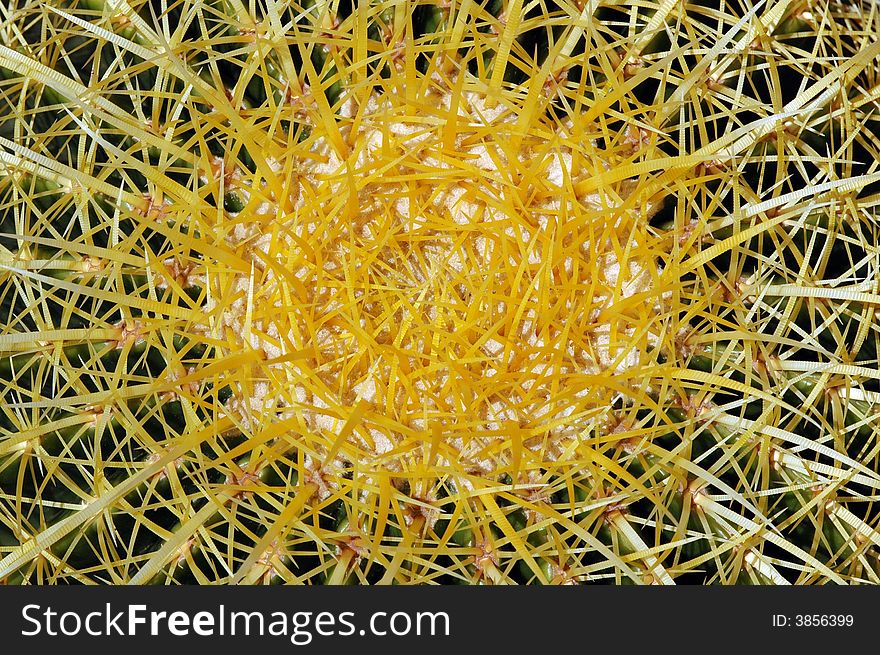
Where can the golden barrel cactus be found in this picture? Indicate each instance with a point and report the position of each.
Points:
(439, 291)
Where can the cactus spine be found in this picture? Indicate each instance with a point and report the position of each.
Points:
(413, 292)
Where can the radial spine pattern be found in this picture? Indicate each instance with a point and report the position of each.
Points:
(415, 292)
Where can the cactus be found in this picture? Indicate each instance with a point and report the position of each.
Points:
(439, 292)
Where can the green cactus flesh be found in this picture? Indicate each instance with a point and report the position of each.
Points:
(439, 292)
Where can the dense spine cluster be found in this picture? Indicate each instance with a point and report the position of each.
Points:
(448, 292)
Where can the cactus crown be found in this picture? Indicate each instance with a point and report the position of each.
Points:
(446, 292)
